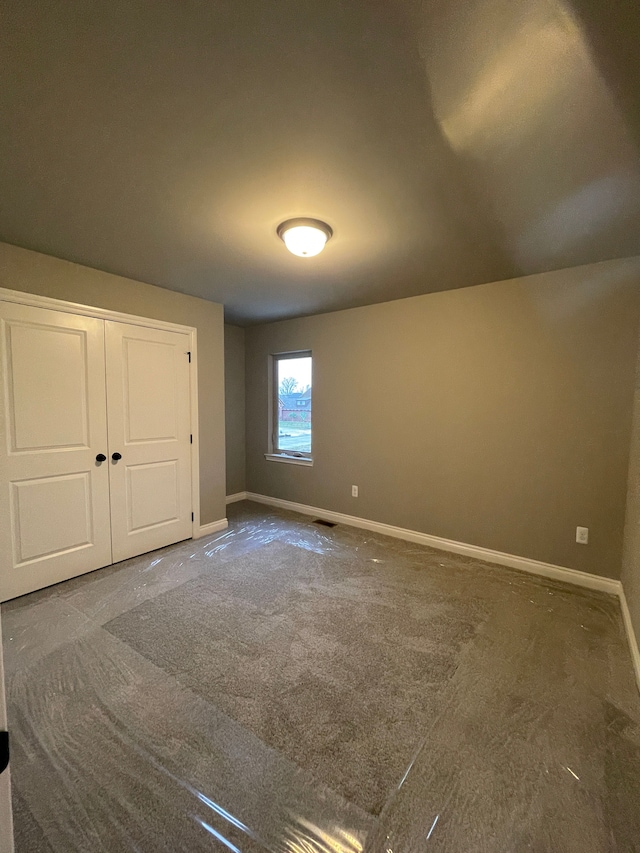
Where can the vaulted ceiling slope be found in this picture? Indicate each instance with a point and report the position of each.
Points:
(447, 142)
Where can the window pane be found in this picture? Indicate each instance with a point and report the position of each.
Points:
(294, 404)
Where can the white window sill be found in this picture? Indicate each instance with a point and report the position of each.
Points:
(291, 460)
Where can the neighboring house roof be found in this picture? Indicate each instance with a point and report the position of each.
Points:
(290, 401)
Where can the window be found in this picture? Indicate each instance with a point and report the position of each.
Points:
(291, 407)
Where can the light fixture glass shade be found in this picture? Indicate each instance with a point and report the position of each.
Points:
(304, 237)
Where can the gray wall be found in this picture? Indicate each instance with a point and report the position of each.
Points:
(631, 550)
(497, 415)
(35, 273)
(234, 407)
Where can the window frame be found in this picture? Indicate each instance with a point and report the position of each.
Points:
(275, 452)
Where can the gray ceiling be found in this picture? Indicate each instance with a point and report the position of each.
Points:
(447, 142)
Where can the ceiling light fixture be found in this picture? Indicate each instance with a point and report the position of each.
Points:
(304, 237)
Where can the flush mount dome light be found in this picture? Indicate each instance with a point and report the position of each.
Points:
(304, 237)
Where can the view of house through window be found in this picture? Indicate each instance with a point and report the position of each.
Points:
(292, 403)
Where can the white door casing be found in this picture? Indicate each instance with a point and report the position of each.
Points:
(54, 496)
(149, 425)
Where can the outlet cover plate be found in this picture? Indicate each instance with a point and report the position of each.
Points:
(582, 535)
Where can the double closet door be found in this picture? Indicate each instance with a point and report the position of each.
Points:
(95, 454)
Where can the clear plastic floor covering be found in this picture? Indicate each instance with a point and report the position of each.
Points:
(285, 686)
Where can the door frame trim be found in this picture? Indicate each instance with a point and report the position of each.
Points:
(36, 301)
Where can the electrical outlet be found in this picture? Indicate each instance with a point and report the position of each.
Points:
(582, 535)
(354, 491)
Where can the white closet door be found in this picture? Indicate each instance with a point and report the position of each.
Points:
(54, 495)
(149, 424)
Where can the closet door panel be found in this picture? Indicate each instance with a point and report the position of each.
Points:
(149, 423)
(54, 495)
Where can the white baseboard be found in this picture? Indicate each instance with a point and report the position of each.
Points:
(546, 570)
(239, 496)
(631, 635)
(213, 527)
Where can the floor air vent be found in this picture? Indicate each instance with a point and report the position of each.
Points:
(324, 523)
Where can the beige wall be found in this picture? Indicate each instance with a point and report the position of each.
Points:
(497, 415)
(36, 273)
(631, 549)
(234, 407)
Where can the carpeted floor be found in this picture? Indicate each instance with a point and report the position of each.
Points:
(324, 659)
(287, 687)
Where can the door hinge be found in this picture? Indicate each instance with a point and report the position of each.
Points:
(4, 751)
(191, 439)
(189, 354)
(192, 518)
